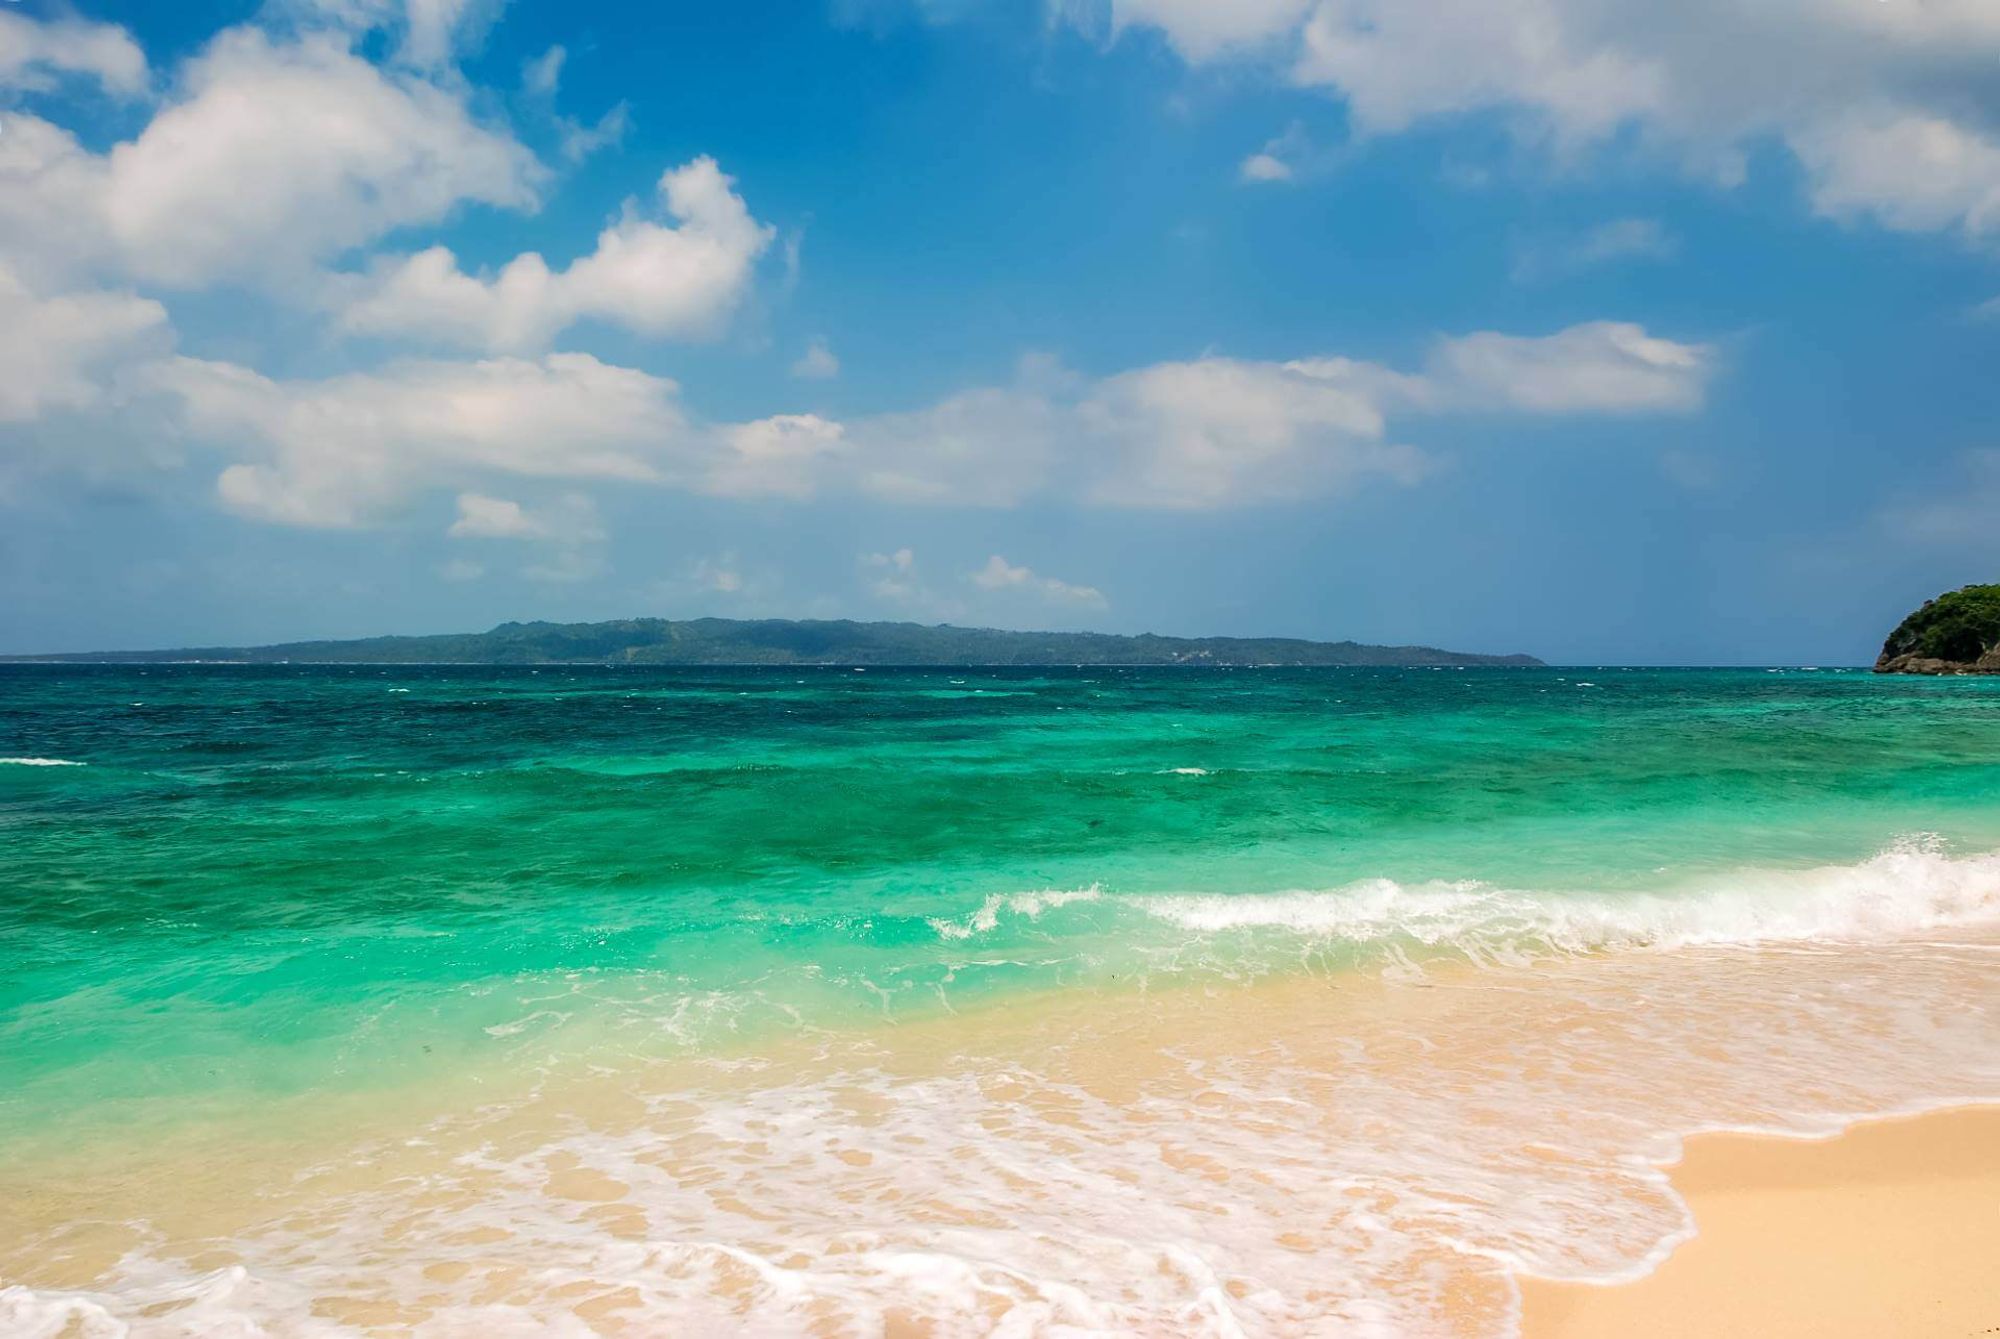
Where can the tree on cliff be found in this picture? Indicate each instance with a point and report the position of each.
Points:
(1957, 633)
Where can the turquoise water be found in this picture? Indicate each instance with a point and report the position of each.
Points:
(275, 880)
(462, 1001)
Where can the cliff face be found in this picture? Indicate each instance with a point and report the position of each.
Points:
(1957, 633)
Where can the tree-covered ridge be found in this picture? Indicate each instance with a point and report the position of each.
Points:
(723, 641)
(1958, 632)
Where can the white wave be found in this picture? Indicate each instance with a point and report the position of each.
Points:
(1909, 888)
(1185, 771)
(1031, 905)
(40, 762)
(1912, 887)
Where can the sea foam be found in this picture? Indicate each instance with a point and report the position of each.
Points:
(1912, 887)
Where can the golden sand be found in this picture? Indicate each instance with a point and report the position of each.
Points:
(1891, 1231)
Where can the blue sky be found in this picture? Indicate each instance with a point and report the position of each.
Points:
(1582, 327)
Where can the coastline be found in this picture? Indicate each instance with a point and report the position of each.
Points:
(1366, 1149)
(1885, 1228)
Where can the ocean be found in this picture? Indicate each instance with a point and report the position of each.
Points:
(582, 1000)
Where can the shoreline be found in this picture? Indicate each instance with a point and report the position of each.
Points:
(1317, 1143)
(1882, 1227)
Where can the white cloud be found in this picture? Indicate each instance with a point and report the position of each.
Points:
(436, 27)
(269, 159)
(432, 32)
(992, 446)
(55, 350)
(343, 451)
(1001, 575)
(781, 456)
(1886, 105)
(1912, 172)
(1606, 244)
(52, 219)
(1209, 433)
(482, 517)
(1285, 158)
(1604, 367)
(32, 53)
(1264, 167)
(571, 519)
(277, 156)
(656, 280)
(1221, 432)
(817, 363)
(1206, 29)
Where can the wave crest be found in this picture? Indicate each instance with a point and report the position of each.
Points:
(1912, 887)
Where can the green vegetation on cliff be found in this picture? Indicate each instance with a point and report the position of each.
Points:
(723, 641)
(1958, 632)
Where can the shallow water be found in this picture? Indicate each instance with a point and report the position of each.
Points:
(443, 1000)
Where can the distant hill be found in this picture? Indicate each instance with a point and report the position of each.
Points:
(725, 641)
(1957, 633)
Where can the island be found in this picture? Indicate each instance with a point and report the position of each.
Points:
(725, 641)
(1957, 633)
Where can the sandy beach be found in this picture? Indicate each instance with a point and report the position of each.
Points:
(1355, 1153)
(1890, 1229)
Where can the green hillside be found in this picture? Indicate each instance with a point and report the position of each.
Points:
(721, 641)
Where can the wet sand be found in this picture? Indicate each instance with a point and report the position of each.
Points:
(1891, 1229)
(1310, 1154)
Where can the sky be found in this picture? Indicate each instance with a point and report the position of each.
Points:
(1604, 330)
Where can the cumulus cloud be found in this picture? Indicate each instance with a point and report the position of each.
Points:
(342, 451)
(33, 53)
(1886, 106)
(1913, 172)
(1212, 432)
(1205, 30)
(1264, 167)
(269, 158)
(1604, 367)
(1220, 432)
(681, 281)
(571, 519)
(785, 455)
(55, 351)
(1001, 575)
(286, 155)
(481, 517)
